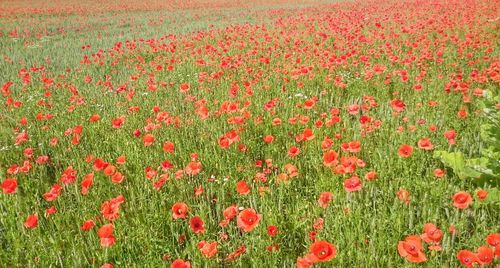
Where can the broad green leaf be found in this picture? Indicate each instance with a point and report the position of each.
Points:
(454, 160)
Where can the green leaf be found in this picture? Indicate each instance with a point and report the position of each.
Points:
(489, 134)
(487, 179)
(479, 164)
(483, 171)
(455, 161)
(469, 172)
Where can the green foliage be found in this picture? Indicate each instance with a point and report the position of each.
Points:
(486, 168)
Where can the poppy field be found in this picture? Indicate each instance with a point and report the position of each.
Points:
(255, 133)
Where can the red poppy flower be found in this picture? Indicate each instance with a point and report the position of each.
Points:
(308, 134)
(326, 144)
(31, 221)
(197, 225)
(121, 160)
(248, 219)
(242, 188)
(352, 147)
(485, 255)
(106, 230)
(9, 186)
(352, 184)
(450, 135)
(94, 118)
(193, 168)
(411, 249)
(50, 211)
(439, 173)
(232, 136)
(106, 235)
(179, 263)
(179, 211)
(405, 150)
(117, 177)
(322, 251)
(86, 183)
(68, 176)
(224, 142)
(493, 239)
(304, 262)
(89, 158)
(330, 158)
(21, 137)
(272, 230)
(482, 194)
(168, 147)
(235, 254)
(462, 200)
(87, 225)
(118, 122)
(353, 109)
(148, 140)
(230, 212)
(309, 104)
(403, 195)
(318, 224)
(293, 151)
(425, 144)
(109, 170)
(111, 209)
(184, 87)
(100, 164)
(208, 249)
(54, 192)
(467, 258)
(398, 105)
(431, 233)
(462, 113)
(371, 175)
(273, 247)
(268, 139)
(291, 170)
(324, 199)
(42, 159)
(242, 147)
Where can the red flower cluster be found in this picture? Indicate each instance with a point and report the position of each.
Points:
(319, 251)
(484, 254)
